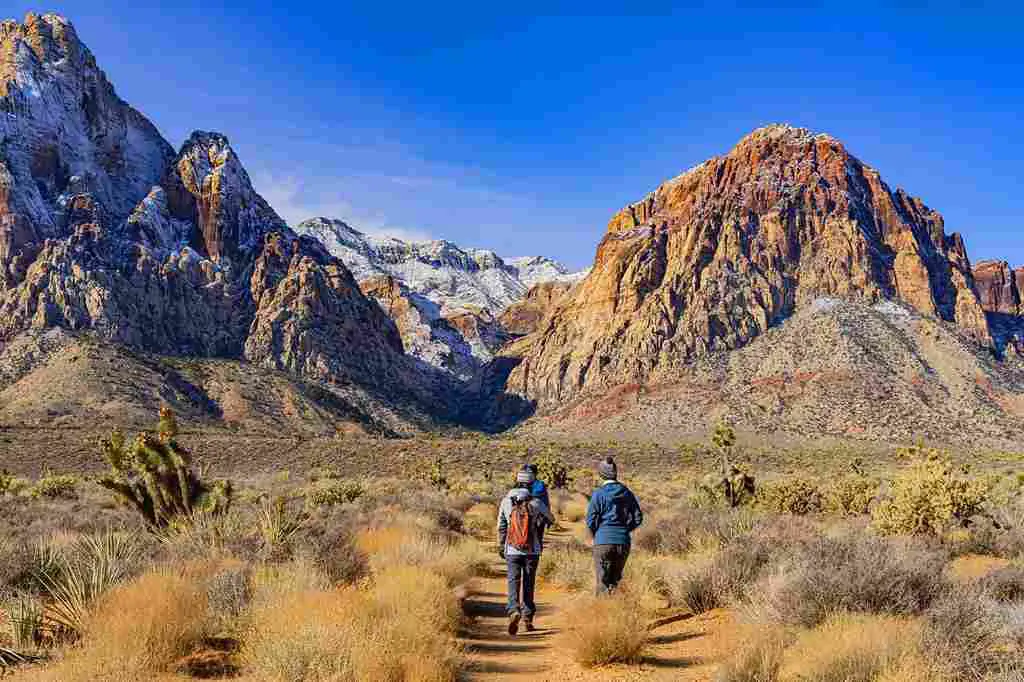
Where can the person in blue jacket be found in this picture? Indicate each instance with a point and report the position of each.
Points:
(538, 489)
(612, 516)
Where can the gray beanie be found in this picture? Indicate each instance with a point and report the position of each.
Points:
(607, 470)
(525, 476)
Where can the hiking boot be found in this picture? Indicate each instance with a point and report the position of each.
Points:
(528, 624)
(513, 623)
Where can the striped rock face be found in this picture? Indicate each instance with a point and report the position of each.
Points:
(717, 255)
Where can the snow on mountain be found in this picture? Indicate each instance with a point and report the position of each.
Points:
(455, 278)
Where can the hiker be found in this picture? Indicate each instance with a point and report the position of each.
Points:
(612, 515)
(538, 489)
(521, 520)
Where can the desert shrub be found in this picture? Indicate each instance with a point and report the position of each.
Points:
(690, 527)
(849, 648)
(1005, 584)
(552, 469)
(758, 659)
(400, 628)
(570, 566)
(962, 632)
(228, 593)
(606, 630)
(137, 631)
(720, 579)
(858, 574)
(81, 574)
(55, 486)
(436, 476)
(334, 552)
(332, 493)
(277, 523)
(23, 614)
(209, 536)
(479, 520)
(851, 495)
(153, 475)
(405, 543)
(11, 484)
(929, 497)
(790, 496)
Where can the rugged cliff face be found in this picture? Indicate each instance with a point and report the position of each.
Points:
(714, 257)
(103, 228)
(999, 286)
(525, 316)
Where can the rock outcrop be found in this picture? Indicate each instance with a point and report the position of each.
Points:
(105, 230)
(999, 287)
(525, 316)
(445, 299)
(716, 256)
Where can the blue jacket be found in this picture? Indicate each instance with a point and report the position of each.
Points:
(540, 491)
(613, 513)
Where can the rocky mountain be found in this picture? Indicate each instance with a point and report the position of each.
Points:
(447, 301)
(456, 279)
(105, 229)
(835, 370)
(715, 257)
(1000, 290)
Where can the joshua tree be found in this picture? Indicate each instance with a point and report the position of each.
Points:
(154, 475)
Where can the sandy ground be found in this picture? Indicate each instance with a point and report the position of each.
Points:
(683, 647)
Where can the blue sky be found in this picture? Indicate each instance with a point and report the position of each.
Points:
(523, 131)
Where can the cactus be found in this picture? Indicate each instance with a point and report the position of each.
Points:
(154, 475)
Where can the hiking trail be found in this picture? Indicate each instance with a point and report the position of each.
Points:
(684, 648)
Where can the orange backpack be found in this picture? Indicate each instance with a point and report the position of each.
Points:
(519, 526)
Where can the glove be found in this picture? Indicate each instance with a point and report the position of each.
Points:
(501, 551)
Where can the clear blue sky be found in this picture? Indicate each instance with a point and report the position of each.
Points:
(494, 125)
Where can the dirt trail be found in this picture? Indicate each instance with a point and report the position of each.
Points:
(681, 649)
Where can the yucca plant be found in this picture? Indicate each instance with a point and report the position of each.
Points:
(154, 475)
(24, 615)
(277, 524)
(90, 567)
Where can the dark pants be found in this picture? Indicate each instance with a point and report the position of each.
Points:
(522, 579)
(609, 562)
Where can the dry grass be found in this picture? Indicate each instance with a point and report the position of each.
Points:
(409, 543)
(606, 630)
(569, 566)
(137, 631)
(849, 648)
(401, 628)
(758, 659)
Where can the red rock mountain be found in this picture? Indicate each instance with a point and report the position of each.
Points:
(713, 258)
(999, 287)
(104, 229)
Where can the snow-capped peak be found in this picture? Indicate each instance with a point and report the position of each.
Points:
(454, 277)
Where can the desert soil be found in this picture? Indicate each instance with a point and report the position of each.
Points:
(683, 647)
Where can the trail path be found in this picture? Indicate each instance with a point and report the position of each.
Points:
(683, 649)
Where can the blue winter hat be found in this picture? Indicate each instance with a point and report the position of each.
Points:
(607, 470)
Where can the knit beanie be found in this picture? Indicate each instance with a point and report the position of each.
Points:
(525, 476)
(607, 470)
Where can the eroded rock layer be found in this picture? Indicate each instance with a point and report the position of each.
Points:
(714, 257)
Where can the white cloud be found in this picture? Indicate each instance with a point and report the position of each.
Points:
(295, 201)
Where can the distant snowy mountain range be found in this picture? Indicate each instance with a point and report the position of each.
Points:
(455, 278)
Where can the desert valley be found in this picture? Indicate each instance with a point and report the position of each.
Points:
(234, 447)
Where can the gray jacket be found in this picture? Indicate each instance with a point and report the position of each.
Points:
(540, 516)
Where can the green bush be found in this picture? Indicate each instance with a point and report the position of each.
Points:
(55, 486)
(551, 469)
(335, 493)
(930, 497)
(790, 496)
(851, 495)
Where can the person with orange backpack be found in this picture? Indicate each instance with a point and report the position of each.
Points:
(521, 522)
